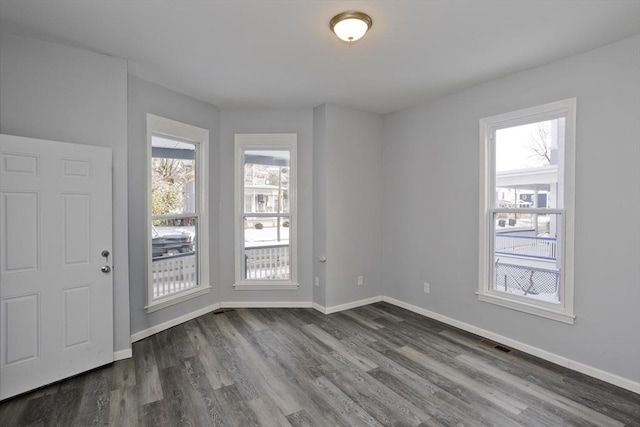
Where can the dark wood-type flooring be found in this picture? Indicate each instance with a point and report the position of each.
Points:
(374, 365)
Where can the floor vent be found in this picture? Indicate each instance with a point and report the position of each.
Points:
(501, 348)
(493, 344)
(488, 343)
(222, 310)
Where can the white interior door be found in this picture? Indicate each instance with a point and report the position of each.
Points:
(56, 303)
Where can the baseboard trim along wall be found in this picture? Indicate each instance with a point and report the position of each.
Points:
(534, 351)
(225, 304)
(346, 306)
(173, 322)
(122, 354)
(266, 304)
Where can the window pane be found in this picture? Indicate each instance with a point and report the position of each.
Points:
(266, 248)
(528, 165)
(173, 177)
(527, 255)
(174, 263)
(266, 181)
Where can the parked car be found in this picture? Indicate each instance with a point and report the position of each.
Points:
(171, 242)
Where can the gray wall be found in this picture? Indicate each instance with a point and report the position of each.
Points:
(55, 92)
(297, 121)
(430, 199)
(146, 97)
(348, 212)
(393, 198)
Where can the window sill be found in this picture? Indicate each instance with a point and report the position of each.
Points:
(556, 315)
(266, 286)
(177, 298)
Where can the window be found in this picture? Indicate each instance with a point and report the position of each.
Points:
(177, 187)
(265, 207)
(526, 210)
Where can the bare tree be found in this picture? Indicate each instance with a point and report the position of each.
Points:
(173, 171)
(540, 142)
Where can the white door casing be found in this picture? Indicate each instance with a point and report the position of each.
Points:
(56, 303)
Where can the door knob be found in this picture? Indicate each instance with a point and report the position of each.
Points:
(105, 269)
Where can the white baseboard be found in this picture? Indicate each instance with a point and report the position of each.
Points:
(122, 354)
(534, 351)
(266, 304)
(321, 308)
(248, 304)
(173, 322)
(225, 304)
(347, 306)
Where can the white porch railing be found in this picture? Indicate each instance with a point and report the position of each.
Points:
(527, 246)
(267, 263)
(174, 274)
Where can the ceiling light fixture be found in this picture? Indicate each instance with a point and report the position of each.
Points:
(351, 26)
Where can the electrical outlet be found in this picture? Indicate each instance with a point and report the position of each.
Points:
(427, 288)
(317, 282)
(360, 280)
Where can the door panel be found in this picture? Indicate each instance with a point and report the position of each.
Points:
(21, 328)
(77, 233)
(19, 231)
(56, 305)
(77, 316)
(17, 164)
(76, 168)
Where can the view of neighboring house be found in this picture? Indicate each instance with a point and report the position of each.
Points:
(528, 177)
(266, 187)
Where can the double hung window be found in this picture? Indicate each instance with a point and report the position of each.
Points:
(177, 220)
(265, 211)
(526, 210)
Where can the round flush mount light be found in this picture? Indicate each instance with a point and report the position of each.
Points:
(351, 26)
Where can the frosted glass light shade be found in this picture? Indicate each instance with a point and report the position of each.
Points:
(350, 26)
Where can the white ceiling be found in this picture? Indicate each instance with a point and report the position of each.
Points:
(266, 53)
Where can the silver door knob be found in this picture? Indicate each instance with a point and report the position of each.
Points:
(105, 269)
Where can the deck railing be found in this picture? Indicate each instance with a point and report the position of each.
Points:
(173, 274)
(527, 281)
(526, 246)
(267, 263)
(177, 273)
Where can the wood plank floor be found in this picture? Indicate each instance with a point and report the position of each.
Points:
(377, 365)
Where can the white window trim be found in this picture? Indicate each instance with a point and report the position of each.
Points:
(157, 125)
(563, 312)
(270, 141)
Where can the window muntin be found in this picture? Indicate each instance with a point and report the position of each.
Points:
(265, 211)
(177, 194)
(526, 237)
